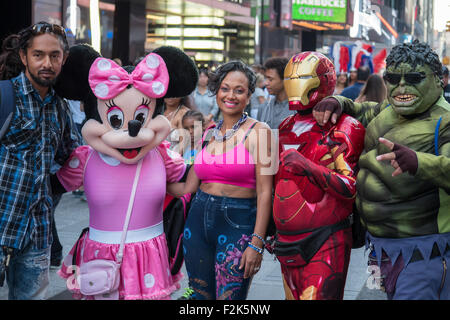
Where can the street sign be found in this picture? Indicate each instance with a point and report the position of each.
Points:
(320, 10)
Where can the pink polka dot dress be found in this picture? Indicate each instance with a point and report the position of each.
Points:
(145, 272)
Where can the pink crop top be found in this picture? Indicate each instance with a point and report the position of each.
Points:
(235, 167)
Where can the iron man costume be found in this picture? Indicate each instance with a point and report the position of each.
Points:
(315, 185)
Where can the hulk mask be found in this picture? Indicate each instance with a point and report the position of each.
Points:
(412, 90)
(413, 78)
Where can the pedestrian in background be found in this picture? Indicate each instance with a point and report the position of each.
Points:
(373, 90)
(204, 100)
(78, 116)
(353, 76)
(77, 112)
(174, 110)
(353, 91)
(41, 133)
(341, 83)
(277, 107)
(227, 222)
(192, 121)
(258, 98)
(257, 68)
(118, 61)
(446, 85)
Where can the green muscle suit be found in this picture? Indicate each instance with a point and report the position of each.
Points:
(406, 205)
(403, 185)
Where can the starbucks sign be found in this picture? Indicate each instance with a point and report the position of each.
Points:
(320, 10)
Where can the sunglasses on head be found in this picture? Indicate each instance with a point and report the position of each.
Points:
(40, 28)
(410, 77)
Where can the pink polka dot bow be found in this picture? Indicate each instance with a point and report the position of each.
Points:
(107, 79)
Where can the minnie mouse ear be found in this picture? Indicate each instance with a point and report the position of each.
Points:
(183, 74)
(72, 82)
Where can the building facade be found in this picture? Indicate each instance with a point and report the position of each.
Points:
(210, 31)
(216, 31)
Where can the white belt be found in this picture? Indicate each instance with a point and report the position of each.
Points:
(138, 235)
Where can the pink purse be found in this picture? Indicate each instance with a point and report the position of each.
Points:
(101, 278)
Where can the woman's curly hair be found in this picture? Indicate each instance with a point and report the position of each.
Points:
(414, 54)
(216, 78)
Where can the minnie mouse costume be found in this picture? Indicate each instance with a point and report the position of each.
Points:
(122, 130)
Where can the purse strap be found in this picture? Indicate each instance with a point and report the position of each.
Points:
(119, 255)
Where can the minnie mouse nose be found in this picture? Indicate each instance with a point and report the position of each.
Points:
(133, 127)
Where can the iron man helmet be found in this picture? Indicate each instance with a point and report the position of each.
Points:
(308, 78)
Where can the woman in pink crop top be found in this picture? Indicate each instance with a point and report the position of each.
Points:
(232, 178)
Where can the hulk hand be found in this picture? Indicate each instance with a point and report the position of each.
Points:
(402, 158)
(326, 108)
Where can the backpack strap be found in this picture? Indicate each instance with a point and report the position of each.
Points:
(75, 251)
(7, 105)
(436, 137)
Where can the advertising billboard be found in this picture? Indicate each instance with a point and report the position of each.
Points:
(334, 11)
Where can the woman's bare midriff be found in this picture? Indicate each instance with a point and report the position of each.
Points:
(227, 190)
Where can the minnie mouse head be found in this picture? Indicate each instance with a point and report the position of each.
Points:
(125, 124)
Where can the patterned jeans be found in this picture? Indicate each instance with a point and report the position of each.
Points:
(216, 235)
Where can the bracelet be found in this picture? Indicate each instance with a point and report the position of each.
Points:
(259, 250)
(259, 237)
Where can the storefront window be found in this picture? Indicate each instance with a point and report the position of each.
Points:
(47, 10)
(77, 21)
(204, 33)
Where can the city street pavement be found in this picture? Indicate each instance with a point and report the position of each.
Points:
(72, 216)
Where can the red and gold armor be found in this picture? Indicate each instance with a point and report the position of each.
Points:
(315, 185)
(310, 78)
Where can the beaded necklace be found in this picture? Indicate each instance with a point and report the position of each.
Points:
(229, 133)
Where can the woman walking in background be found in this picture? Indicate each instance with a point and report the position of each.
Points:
(373, 90)
(204, 100)
(258, 97)
(174, 110)
(341, 83)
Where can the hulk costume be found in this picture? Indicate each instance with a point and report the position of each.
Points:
(407, 216)
(427, 209)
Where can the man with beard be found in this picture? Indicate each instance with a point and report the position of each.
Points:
(41, 134)
(403, 186)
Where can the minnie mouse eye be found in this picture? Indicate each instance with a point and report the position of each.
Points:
(141, 113)
(115, 117)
